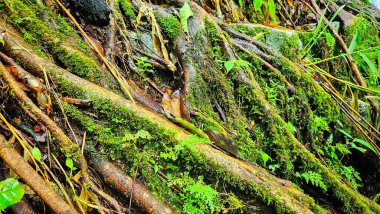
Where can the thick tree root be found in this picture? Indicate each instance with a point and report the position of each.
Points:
(126, 185)
(14, 160)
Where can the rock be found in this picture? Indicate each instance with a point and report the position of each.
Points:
(286, 41)
(94, 11)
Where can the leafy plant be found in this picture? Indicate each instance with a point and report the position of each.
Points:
(70, 164)
(36, 153)
(269, 5)
(11, 192)
(265, 157)
(198, 198)
(184, 14)
(351, 141)
(143, 66)
(229, 65)
(313, 177)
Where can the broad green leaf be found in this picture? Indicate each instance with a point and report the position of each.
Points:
(272, 9)
(185, 13)
(229, 65)
(143, 134)
(365, 144)
(36, 154)
(11, 192)
(70, 163)
(265, 157)
(354, 41)
(258, 4)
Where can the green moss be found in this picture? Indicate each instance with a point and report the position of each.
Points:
(127, 9)
(170, 26)
(286, 41)
(79, 64)
(33, 20)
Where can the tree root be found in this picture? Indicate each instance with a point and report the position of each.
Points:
(126, 185)
(27, 174)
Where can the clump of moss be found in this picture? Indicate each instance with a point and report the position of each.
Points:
(127, 9)
(79, 64)
(170, 26)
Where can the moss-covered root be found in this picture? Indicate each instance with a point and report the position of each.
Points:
(262, 185)
(128, 186)
(65, 143)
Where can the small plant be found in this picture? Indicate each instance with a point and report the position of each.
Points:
(70, 164)
(132, 138)
(314, 178)
(229, 65)
(144, 66)
(198, 198)
(185, 13)
(11, 192)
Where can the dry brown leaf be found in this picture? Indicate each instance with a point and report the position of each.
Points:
(171, 103)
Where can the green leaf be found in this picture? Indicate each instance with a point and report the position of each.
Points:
(265, 157)
(70, 163)
(354, 41)
(272, 9)
(143, 134)
(36, 154)
(11, 192)
(291, 128)
(229, 65)
(353, 145)
(364, 143)
(242, 62)
(2, 41)
(259, 35)
(241, 3)
(185, 13)
(370, 64)
(345, 133)
(330, 41)
(258, 4)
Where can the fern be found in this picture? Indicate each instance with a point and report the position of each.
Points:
(314, 178)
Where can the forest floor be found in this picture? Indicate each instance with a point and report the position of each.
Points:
(175, 106)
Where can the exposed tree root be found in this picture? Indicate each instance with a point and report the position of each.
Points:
(31, 178)
(128, 186)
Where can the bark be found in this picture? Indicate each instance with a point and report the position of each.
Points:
(128, 186)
